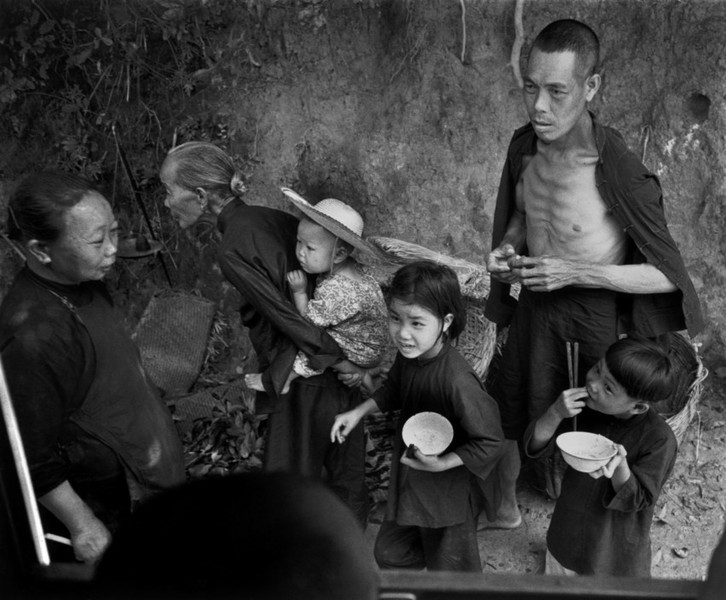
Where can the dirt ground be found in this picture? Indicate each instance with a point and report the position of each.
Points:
(689, 517)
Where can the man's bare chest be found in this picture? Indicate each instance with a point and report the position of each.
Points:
(562, 189)
(565, 214)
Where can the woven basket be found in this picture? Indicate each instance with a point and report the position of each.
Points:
(172, 339)
(473, 278)
(478, 341)
(679, 422)
(682, 405)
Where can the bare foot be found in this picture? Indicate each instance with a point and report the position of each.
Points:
(510, 521)
(254, 382)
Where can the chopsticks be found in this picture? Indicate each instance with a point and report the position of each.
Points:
(573, 352)
(52, 537)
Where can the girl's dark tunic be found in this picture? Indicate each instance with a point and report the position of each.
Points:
(445, 384)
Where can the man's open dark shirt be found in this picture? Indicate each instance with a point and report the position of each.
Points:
(634, 196)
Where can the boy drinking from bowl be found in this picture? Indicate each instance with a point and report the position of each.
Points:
(601, 522)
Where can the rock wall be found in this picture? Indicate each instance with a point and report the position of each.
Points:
(405, 109)
(390, 110)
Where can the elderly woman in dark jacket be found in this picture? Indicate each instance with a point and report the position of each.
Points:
(256, 251)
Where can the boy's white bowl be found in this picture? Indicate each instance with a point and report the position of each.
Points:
(429, 431)
(584, 451)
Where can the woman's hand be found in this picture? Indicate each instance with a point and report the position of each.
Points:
(88, 534)
(298, 281)
(350, 379)
(90, 542)
(349, 373)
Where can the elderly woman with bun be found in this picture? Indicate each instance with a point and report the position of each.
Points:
(256, 252)
(97, 436)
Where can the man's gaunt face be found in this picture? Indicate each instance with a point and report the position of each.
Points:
(556, 93)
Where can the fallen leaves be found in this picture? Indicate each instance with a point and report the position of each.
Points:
(230, 441)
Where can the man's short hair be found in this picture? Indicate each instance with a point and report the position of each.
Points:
(573, 36)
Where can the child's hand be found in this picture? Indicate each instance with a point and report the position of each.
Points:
(569, 403)
(343, 424)
(298, 281)
(617, 469)
(414, 458)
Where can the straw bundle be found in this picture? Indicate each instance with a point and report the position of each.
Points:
(682, 405)
(473, 278)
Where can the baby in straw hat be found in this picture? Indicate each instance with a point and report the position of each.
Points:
(347, 302)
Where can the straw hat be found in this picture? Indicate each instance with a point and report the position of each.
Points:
(337, 217)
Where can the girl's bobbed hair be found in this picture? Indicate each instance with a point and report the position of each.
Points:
(204, 165)
(433, 286)
(38, 206)
(642, 367)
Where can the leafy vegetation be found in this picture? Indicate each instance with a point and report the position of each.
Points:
(75, 73)
(71, 70)
(231, 440)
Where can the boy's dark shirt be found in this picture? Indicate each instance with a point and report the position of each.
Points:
(448, 385)
(634, 197)
(595, 531)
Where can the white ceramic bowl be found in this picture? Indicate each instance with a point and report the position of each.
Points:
(430, 432)
(584, 451)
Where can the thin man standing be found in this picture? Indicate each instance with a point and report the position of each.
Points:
(579, 223)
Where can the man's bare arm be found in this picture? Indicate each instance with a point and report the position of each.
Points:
(547, 273)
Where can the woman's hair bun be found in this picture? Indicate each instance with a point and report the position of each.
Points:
(237, 184)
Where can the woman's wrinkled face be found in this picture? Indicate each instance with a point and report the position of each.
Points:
(86, 249)
(184, 204)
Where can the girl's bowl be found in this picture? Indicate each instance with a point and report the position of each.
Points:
(584, 451)
(430, 432)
